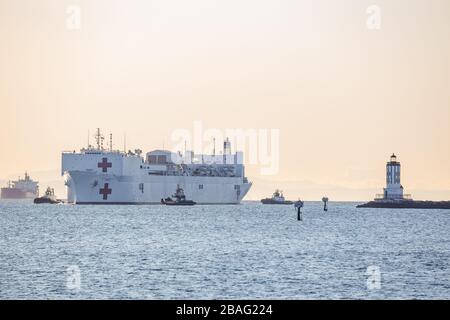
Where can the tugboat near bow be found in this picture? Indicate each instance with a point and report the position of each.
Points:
(49, 197)
(180, 199)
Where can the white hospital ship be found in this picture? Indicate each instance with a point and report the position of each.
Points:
(96, 175)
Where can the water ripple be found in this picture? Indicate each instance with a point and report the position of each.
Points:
(222, 252)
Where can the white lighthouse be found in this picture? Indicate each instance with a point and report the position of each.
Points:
(394, 189)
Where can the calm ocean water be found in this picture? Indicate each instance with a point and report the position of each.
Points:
(222, 252)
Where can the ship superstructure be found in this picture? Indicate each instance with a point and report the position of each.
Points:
(25, 188)
(99, 176)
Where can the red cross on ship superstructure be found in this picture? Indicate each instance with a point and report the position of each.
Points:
(104, 165)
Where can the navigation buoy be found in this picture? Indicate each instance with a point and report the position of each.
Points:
(325, 203)
(299, 205)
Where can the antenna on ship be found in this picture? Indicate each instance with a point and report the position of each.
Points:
(110, 142)
(89, 144)
(214, 149)
(124, 143)
(227, 146)
(99, 139)
(102, 139)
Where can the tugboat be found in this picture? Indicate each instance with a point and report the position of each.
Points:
(180, 199)
(277, 198)
(49, 197)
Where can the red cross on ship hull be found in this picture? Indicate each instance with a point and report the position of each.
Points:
(105, 191)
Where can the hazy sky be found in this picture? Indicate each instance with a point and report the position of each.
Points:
(343, 97)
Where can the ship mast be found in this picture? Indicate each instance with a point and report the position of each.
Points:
(125, 143)
(97, 138)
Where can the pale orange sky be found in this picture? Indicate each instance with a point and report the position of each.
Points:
(343, 97)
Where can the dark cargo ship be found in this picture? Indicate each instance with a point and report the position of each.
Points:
(20, 189)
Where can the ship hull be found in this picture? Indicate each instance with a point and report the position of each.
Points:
(46, 200)
(103, 189)
(15, 193)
